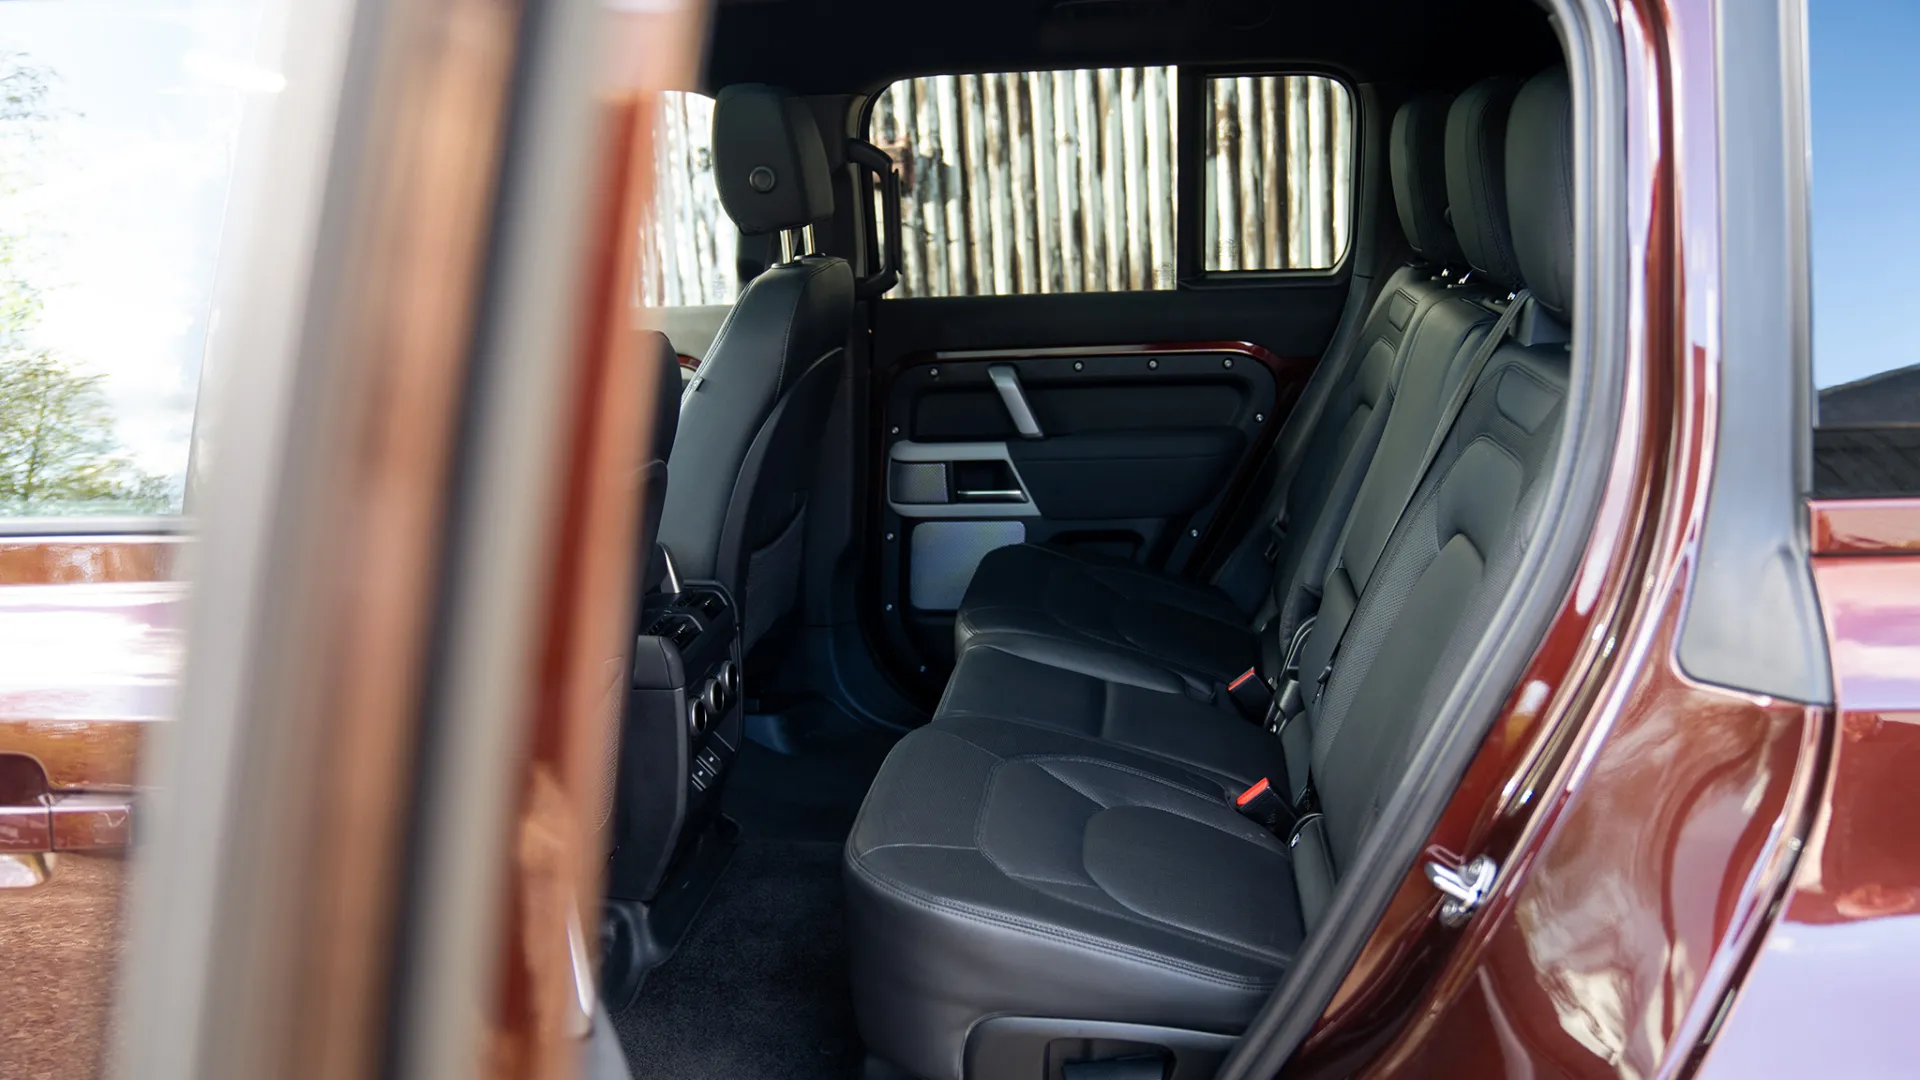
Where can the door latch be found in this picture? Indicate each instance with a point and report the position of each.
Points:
(1465, 888)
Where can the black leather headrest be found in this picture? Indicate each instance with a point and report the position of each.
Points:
(660, 376)
(1540, 188)
(1417, 157)
(1477, 177)
(768, 160)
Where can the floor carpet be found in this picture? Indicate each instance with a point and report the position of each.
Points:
(759, 986)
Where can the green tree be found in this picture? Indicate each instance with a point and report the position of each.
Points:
(58, 451)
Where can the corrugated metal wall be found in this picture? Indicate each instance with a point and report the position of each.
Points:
(690, 243)
(1047, 182)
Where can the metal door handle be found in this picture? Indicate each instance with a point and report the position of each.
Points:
(1007, 381)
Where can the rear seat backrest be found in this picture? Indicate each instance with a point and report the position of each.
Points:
(1348, 433)
(1450, 557)
(1437, 357)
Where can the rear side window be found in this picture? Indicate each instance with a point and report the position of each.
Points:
(1067, 181)
(1865, 222)
(1279, 172)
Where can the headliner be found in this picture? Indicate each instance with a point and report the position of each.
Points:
(852, 46)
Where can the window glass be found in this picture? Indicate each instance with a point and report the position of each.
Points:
(1034, 182)
(690, 243)
(118, 125)
(1066, 181)
(1279, 172)
(1865, 221)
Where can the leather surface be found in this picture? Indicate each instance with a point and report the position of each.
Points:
(1212, 740)
(1477, 177)
(764, 137)
(1416, 155)
(1014, 871)
(1540, 175)
(1105, 615)
(660, 381)
(791, 319)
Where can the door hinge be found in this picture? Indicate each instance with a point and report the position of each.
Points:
(1465, 888)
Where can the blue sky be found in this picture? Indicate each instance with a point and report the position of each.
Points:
(1865, 71)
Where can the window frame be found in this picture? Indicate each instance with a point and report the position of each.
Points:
(1189, 197)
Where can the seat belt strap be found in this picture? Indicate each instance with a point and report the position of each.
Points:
(1489, 345)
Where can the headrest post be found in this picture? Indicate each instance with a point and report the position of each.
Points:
(796, 243)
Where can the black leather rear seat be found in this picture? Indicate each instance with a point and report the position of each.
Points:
(1116, 618)
(1058, 844)
(1079, 682)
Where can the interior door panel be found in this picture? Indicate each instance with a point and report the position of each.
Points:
(1124, 451)
(1016, 419)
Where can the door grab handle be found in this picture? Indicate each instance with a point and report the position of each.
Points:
(1007, 381)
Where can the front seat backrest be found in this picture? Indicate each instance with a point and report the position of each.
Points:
(751, 419)
(661, 383)
(659, 386)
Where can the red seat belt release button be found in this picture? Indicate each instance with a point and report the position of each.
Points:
(1266, 806)
(1250, 695)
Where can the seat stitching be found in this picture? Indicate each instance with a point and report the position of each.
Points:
(980, 828)
(1184, 816)
(1197, 792)
(903, 844)
(942, 905)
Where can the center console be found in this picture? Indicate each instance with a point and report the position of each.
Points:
(680, 734)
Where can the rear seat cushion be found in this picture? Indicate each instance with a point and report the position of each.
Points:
(1211, 739)
(1001, 870)
(1080, 610)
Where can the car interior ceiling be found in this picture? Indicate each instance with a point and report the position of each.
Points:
(1018, 676)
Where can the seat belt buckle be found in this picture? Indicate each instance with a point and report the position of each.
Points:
(1308, 802)
(1265, 807)
(1250, 694)
(1287, 703)
(1276, 536)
